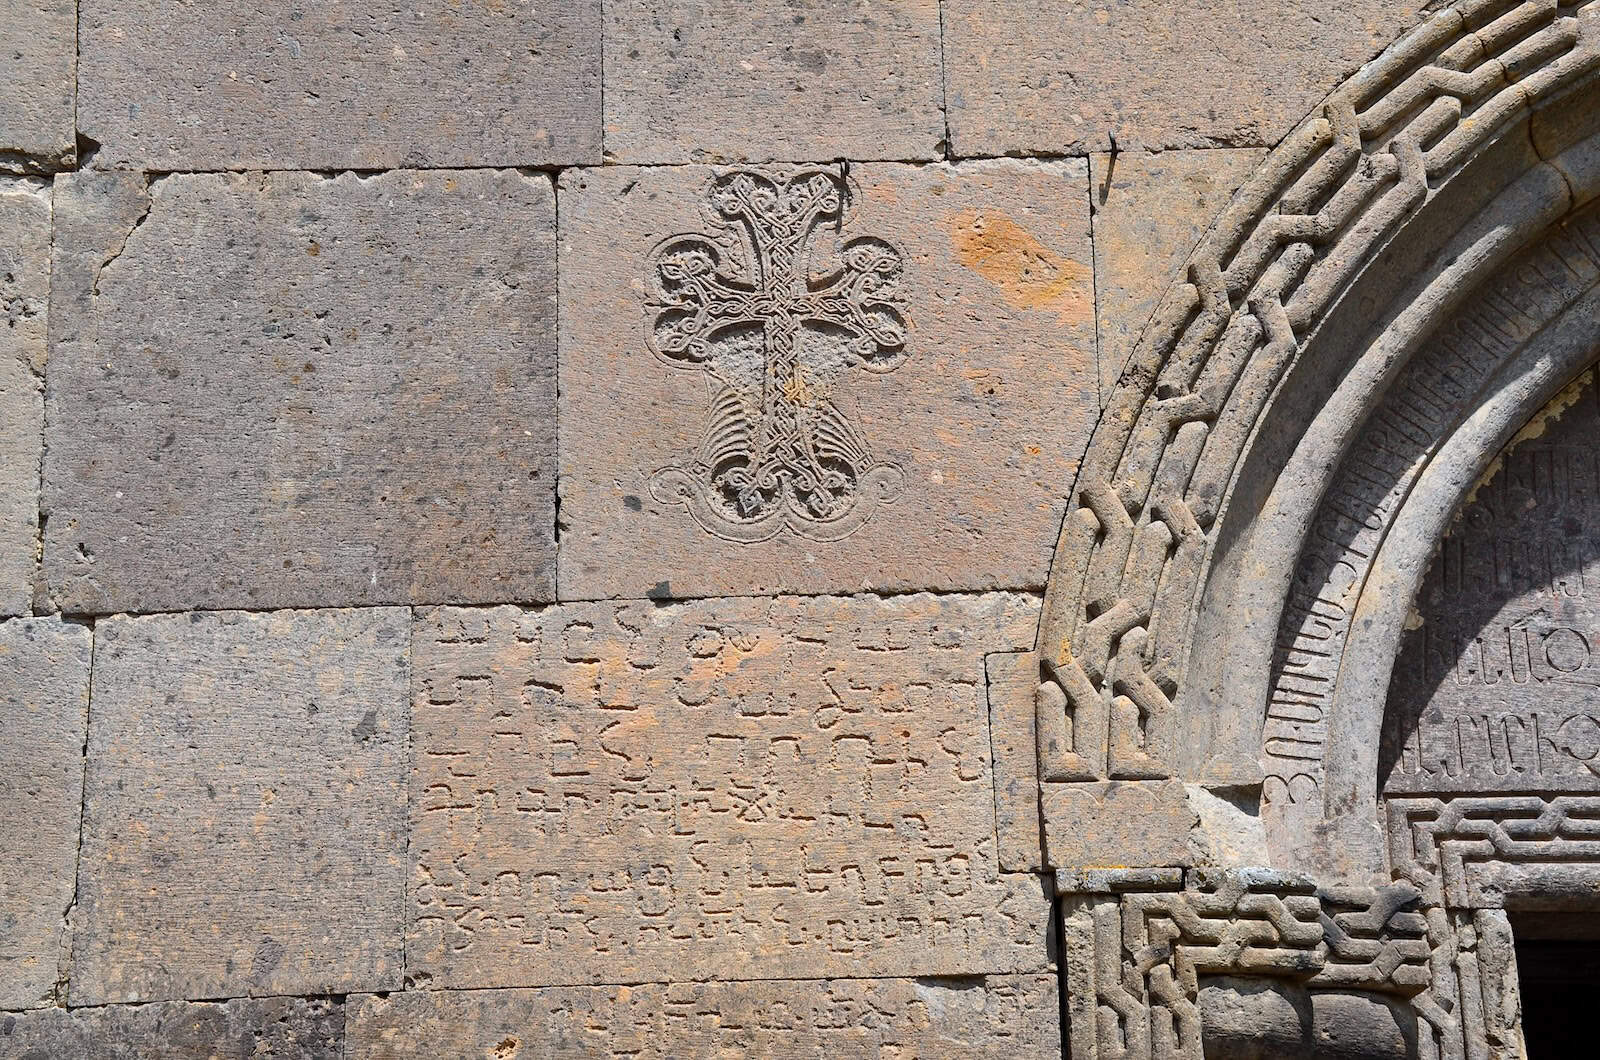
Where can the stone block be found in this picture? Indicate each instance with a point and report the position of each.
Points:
(167, 85)
(293, 390)
(240, 1029)
(769, 79)
(44, 701)
(38, 63)
(245, 807)
(1150, 213)
(24, 311)
(1031, 78)
(1014, 1017)
(1013, 677)
(1117, 823)
(829, 384)
(728, 789)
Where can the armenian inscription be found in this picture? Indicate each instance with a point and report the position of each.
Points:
(746, 304)
(1498, 686)
(777, 788)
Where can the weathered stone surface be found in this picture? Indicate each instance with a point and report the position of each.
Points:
(1001, 1016)
(771, 79)
(1249, 1018)
(24, 310)
(292, 1028)
(244, 821)
(1012, 679)
(431, 83)
(38, 59)
(726, 789)
(1117, 822)
(1025, 77)
(1494, 687)
(44, 704)
(1150, 212)
(900, 408)
(289, 390)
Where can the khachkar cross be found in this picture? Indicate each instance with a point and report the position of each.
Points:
(776, 336)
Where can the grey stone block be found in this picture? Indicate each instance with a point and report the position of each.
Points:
(290, 1028)
(433, 83)
(24, 311)
(721, 789)
(44, 704)
(291, 390)
(38, 60)
(1117, 823)
(931, 341)
(1014, 1017)
(770, 79)
(244, 821)
(1031, 78)
(1150, 212)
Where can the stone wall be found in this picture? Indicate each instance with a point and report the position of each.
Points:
(522, 525)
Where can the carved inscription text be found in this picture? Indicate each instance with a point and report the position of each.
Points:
(742, 788)
(1497, 688)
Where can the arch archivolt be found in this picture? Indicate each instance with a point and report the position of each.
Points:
(1412, 275)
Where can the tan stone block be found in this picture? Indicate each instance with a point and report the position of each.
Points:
(44, 704)
(730, 789)
(1004, 1017)
(245, 822)
(1025, 77)
(1151, 211)
(1013, 678)
(1117, 823)
(24, 311)
(38, 61)
(293, 390)
(168, 85)
(931, 367)
(293, 1028)
(699, 81)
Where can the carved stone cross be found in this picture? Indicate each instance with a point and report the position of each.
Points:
(747, 305)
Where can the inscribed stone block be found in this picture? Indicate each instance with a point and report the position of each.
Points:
(1117, 822)
(44, 701)
(24, 311)
(1014, 1017)
(1494, 686)
(772, 79)
(1013, 678)
(244, 823)
(168, 85)
(292, 390)
(38, 60)
(1150, 213)
(240, 1029)
(1025, 77)
(830, 383)
(730, 789)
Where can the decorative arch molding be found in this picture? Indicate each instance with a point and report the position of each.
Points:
(1430, 168)
(1410, 277)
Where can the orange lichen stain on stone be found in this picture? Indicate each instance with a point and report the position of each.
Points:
(1029, 274)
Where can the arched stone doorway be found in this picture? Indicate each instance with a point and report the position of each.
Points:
(1411, 279)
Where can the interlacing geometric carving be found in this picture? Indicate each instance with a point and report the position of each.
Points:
(1127, 569)
(1470, 852)
(1145, 938)
(748, 305)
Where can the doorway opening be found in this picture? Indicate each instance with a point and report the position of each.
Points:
(1558, 969)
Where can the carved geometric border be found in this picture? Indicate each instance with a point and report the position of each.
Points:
(1127, 567)
(1487, 852)
(1136, 942)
